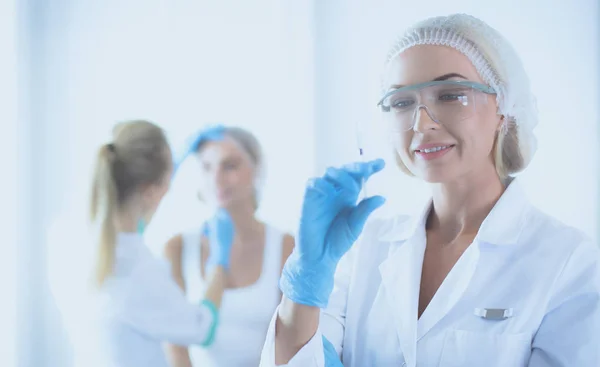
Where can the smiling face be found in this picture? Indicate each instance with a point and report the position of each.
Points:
(441, 147)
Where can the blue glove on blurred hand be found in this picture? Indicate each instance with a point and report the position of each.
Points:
(220, 231)
(212, 133)
(331, 357)
(330, 222)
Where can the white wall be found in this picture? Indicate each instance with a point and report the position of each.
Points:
(558, 42)
(8, 184)
(43, 177)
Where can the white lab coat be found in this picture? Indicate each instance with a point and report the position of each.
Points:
(142, 307)
(547, 273)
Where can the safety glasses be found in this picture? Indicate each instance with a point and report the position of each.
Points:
(446, 102)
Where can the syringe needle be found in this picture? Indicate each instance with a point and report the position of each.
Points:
(361, 153)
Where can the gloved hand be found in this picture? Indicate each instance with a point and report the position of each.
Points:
(211, 133)
(330, 222)
(220, 231)
(331, 357)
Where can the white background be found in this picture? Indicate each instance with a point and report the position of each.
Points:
(300, 75)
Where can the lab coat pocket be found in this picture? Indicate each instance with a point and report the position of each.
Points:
(469, 348)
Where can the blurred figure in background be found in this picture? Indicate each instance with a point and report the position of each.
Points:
(232, 168)
(141, 305)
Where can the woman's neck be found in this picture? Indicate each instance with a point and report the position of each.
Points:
(245, 223)
(127, 219)
(461, 206)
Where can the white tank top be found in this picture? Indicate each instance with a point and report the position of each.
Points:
(245, 312)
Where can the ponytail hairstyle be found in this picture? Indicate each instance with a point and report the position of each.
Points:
(138, 156)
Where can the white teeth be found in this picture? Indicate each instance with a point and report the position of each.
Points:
(436, 149)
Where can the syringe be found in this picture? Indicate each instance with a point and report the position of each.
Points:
(361, 153)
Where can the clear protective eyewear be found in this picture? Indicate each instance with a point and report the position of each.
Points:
(446, 102)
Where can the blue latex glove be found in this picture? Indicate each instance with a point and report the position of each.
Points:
(331, 357)
(211, 133)
(220, 231)
(330, 222)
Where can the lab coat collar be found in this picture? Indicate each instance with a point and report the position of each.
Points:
(400, 277)
(129, 243)
(401, 229)
(503, 225)
(130, 238)
(506, 221)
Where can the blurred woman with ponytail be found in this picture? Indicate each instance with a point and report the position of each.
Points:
(142, 307)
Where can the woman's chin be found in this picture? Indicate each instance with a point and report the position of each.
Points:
(226, 202)
(435, 175)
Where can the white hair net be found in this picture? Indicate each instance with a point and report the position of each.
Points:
(494, 59)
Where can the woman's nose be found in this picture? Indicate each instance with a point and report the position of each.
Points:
(424, 119)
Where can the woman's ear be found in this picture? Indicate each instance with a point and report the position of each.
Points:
(501, 122)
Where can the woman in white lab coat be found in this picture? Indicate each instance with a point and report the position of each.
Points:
(232, 169)
(141, 306)
(477, 276)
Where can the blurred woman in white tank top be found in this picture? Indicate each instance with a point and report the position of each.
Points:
(232, 167)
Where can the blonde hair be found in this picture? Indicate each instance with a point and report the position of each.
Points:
(138, 156)
(251, 146)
